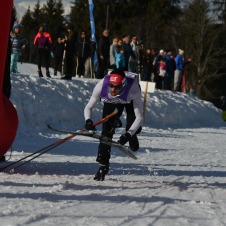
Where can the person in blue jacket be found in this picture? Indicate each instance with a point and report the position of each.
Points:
(179, 70)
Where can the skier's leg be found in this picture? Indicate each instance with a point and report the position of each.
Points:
(133, 143)
(108, 130)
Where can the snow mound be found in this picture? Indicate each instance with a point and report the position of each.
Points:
(41, 101)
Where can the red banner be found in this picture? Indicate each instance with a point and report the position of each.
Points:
(8, 114)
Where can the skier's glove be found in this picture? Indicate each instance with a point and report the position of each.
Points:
(89, 125)
(124, 138)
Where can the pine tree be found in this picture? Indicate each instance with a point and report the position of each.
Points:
(79, 16)
(28, 33)
(53, 17)
(37, 15)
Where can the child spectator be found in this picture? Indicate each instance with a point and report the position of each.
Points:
(120, 59)
(17, 44)
(162, 67)
(162, 73)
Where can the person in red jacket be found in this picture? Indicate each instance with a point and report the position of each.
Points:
(43, 41)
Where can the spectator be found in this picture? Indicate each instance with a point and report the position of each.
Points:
(173, 63)
(134, 61)
(17, 44)
(147, 65)
(104, 52)
(141, 58)
(116, 90)
(159, 79)
(154, 70)
(179, 70)
(58, 51)
(71, 39)
(83, 52)
(162, 73)
(43, 41)
(120, 59)
(120, 43)
(170, 64)
(113, 51)
(128, 51)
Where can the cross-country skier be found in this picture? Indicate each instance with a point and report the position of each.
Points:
(118, 89)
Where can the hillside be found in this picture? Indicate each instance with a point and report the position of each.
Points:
(62, 103)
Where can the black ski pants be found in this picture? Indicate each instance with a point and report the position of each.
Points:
(45, 54)
(108, 128)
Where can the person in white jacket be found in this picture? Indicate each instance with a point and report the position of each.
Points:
(118, 89)
(113, 51)
(134, 61)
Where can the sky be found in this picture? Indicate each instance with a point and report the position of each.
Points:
(22, 6)
(177, 179)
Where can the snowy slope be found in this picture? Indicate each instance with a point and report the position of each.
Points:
(178, 179)
(63, 102)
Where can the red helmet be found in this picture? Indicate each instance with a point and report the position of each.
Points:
(117, 79)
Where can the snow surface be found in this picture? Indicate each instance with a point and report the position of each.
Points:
(178, 179)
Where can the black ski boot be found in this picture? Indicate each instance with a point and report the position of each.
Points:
(48, 74)
(40, 73)
(66, 77)
(102, 171)
(134, 143)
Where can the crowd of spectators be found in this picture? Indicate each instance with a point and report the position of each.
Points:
(73, 56)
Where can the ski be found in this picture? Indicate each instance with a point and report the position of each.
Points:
(102, 139)
(109, 142)
(40, 152)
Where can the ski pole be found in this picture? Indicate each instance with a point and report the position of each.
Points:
(55, 144)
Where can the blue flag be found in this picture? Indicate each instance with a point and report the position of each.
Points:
(92, 24)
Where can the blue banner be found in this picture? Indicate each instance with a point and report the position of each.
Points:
(92, 24)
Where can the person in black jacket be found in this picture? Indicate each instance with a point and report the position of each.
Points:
(58, 51)
(83, 52)
(128, 51)
(71, 39)
(147, 65)
(103, 54)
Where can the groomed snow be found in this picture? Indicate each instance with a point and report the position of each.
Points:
(178, 179)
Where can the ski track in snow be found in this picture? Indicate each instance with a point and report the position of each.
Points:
(161, 187)
(178, 178)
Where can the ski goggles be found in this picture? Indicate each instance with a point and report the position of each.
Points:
(117, 87)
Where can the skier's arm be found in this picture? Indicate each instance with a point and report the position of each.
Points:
(93, 100)
(138, 108)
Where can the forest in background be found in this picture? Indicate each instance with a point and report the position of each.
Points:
(197, 27)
